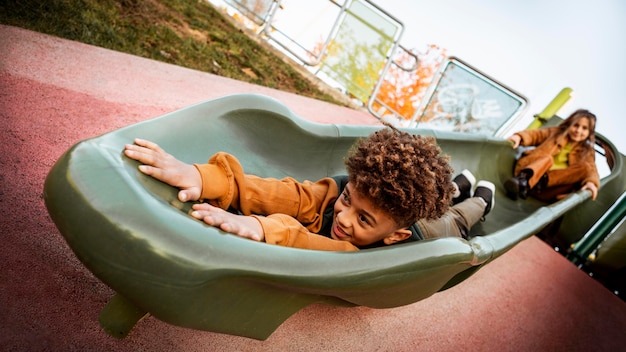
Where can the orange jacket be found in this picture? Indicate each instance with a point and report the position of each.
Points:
(294, 210)
(549, 141)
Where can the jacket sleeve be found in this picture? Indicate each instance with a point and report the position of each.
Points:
(592, 174)
(225, 185)
(283, 230)
(536, 136)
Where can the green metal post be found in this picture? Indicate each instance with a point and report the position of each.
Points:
(551, 109)
(598, 232)
(119, 316)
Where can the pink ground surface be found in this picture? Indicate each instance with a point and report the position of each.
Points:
(54, 93)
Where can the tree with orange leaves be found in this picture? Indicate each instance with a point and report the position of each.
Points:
(401, 92)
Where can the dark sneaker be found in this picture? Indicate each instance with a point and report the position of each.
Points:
(486, 190)
(465, 183)
(523, 188)
(512, 188)
(517, 187)
(543, 183)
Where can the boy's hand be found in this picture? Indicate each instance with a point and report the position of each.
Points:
(240, 225)
(164, 167)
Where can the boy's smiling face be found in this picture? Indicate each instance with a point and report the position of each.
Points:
(359, 222)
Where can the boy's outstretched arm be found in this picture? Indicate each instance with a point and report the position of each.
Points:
(166, 168)
(284, 230)
(240, 225)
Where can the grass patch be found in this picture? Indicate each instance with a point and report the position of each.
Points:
(189, 33)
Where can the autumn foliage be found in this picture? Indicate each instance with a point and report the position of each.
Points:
(401, 92)
(357, 66)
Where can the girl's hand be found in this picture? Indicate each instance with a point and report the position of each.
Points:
(515, 139)
(166, 168)
(590, 186)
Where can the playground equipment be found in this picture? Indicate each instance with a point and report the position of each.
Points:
(133, 234)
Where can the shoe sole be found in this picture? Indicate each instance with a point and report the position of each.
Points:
(491, 187)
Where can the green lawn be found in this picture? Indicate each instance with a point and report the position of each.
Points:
(189, 33)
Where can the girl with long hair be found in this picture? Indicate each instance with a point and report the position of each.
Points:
(562, 161)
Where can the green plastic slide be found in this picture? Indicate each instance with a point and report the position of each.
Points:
(133, 234)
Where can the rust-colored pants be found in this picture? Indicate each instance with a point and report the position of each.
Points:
(560, 181)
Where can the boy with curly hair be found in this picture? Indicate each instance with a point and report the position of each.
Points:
(398, 189)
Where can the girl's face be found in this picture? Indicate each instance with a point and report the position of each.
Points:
(579, 130)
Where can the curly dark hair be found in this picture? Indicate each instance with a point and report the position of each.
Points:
(406, 175)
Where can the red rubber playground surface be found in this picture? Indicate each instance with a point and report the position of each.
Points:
(54, 93)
